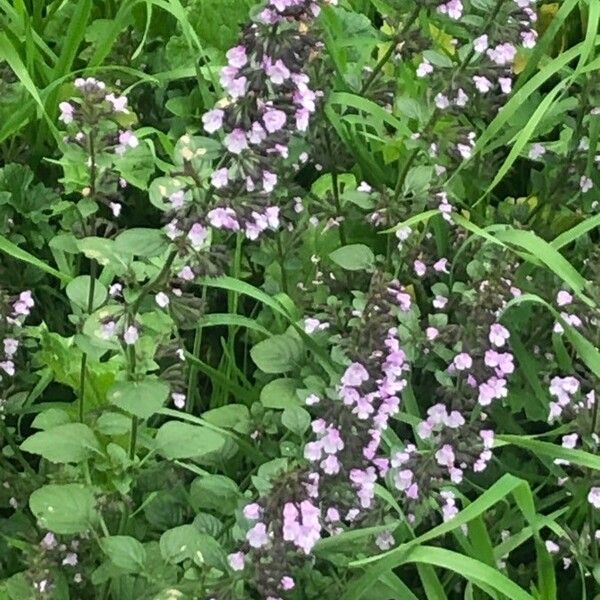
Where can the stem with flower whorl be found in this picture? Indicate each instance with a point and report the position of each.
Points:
(92, 288)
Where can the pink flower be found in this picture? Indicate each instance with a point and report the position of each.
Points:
(462, 361)
(223, 218)
(502, 54)
(236, 141)
(131, 335)
(563, 298)
(424, 68)
(220, 178)
(252, 511)
(385, 540)
(178, 400)
(277, 71)
(127, 139)
(119, 103)
(66, 112)
(274, 120)
(594, 497)
(269, 181)
(420, 268)
(236, 561)
(431, 333)
(162, 299)
(481, 43)
(237, 57)
(483, 84)
(257, 537)
(287, 583)
(441, 266)
(498, 335)
(505, 84)
(213, 120)
(355, 375)
(445, 456)
(440, 301)
(586, 184)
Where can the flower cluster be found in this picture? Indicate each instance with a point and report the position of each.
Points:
(16, 308)
(269, 100)
(99, 122)
(488, 68)
(338, 488)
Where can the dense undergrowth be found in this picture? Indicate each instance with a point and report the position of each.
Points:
(299, 299)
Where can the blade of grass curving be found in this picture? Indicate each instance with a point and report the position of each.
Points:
(473, 570)
(542, 250)
(138, 50)
(110, 37)
(524, 136)
(553, 451)
(14, 251)
(382, 563)
(588, 353)
(369, 107)
(566, 238)
(11, 56)
(241, 287)
(543, 45)
(220, 319)
(396, 585)
(73, 37)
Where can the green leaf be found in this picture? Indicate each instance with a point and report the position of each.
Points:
(216, 493)
(280, 394)
(139, 398)
(112, 423)
(277, 354)
(354, 257)
(50, 418)
(78, 292)
(180, 543)
(141, 242)
(176, 440)
(66, 509)
(231, 416)
(124, 552)
(69, 443)
(296, 419)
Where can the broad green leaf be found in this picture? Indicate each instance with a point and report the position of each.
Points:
(215, 493)
(78, 291)
(180, 543)
(69, 443)
(141, 242)
(280, 394)
(354, 257)
(66, 509)
(296, 419)
(139, 398)
(124, 552)
(50, 418)
(278, 354)
(177, 440)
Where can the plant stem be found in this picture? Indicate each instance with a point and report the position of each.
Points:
(92, 288)
(281, 255)
(336, 191)
(390, 51)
